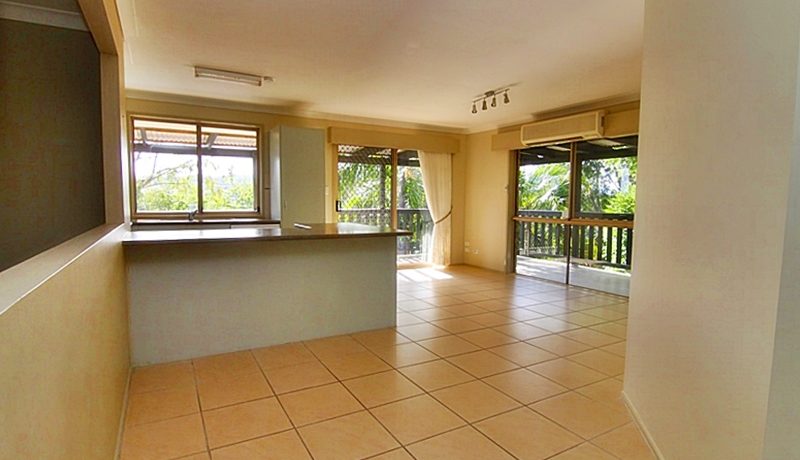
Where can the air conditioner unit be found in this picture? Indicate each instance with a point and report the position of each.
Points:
(565, 129)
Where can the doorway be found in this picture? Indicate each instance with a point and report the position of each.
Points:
(574, 212)
(383, 186)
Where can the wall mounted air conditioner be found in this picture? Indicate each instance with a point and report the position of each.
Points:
(565, 129)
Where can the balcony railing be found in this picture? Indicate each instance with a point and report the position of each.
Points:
(417, 221)
(594, 242)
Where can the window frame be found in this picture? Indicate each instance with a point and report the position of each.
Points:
(201, 214)
(577, 188)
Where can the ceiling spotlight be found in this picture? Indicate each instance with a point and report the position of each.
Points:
(230, 76)
(492, 94)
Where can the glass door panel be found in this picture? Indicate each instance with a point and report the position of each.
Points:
(412, 210)
(542, 192)
(365, 185)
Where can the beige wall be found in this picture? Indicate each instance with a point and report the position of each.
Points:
(783, 416)
(487, 216)
(199, 110)
(718, 105)
(64, 359)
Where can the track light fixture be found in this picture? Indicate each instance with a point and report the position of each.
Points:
(491, 94)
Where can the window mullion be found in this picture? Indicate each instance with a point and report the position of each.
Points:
(199, 147)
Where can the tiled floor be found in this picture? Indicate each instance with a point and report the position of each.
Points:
(480, 366)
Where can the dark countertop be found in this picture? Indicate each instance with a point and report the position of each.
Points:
(316, 232)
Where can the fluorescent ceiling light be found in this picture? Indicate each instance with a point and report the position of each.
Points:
(227, 75)
(558, 147)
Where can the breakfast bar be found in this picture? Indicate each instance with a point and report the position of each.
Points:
(201, 292)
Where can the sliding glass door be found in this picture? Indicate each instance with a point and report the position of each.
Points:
(575, 209)
(380, 186)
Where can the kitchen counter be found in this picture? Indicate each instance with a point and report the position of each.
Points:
(199, 292)
(315, 232)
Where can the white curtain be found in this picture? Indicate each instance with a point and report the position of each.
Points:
(437, 177)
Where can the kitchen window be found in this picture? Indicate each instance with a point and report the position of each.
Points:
(184, 169)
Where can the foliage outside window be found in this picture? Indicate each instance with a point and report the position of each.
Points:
(365, 192)
(543, 181)
(183, 167)
(607, 170)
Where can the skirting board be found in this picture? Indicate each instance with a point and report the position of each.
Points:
(637, 420)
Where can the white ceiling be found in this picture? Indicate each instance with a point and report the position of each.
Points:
(415, 61)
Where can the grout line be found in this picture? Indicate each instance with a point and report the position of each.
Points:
(195, 378)
(280, 403)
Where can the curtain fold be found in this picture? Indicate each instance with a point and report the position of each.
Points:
(437, 178)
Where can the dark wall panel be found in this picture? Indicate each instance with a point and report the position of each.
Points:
(51, 170)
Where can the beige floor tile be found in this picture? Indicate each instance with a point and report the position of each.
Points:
(603, 361)
(320, 403)
(443, 301)
(616, 348)
(200, 456)
(524, 385)
(581, 415)
(607, 392)
(475, 400)
(539, 439)
(281, 446)
(289, 354)
(626, 443)
(434, 314)
(567, 373)
(245, 421)
(617, 330)
(240, 362)
(435, 375)
(416, 418)
(173, 438)
(386, 387)
(449, 345)
(220, 390)
(397, 454)
(553, 324)
(334, 346)
(380, 338)
(465, 310)
(519, 314)
(491, 319)
(153, 406)
(464, 444)
(456, 325)
(162, 377)
(607, 314)
(495, 304)
(561, 346)
(350, 437)
(487, 338)
(422, 331)
(482, 363)
(413, 305)
(522, 331)
(406, 354)
(584, 451)
(522, 353)
(407, 319)
(548, 309)
(590, 337)
(354, 365)
(581, 319)
(298, 377)
(470, 297)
